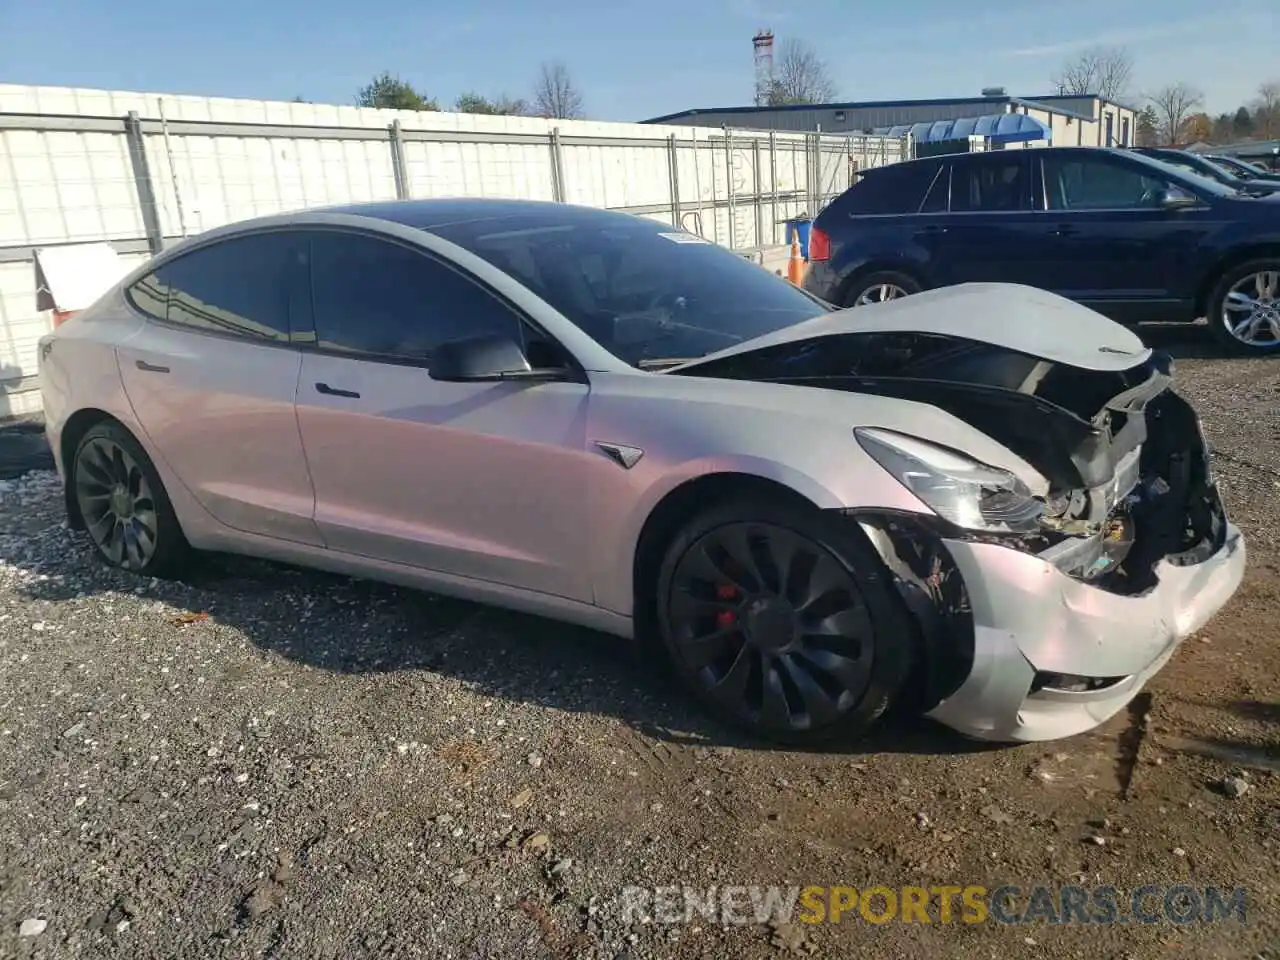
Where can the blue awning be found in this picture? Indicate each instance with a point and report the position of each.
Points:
(1000, 127)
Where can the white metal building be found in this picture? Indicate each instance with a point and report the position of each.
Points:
(1059, 120)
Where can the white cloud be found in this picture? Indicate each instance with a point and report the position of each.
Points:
(1120, 38)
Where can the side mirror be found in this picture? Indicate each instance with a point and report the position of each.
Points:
(1175, 199)
(488, 357)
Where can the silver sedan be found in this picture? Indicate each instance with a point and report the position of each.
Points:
(985, 499)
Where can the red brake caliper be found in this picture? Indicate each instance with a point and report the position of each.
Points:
(726, 618)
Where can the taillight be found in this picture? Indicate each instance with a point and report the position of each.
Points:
(819, 244)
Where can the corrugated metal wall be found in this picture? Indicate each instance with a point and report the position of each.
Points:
(75, 168)
(855, 119)
(1088, 106)
(852, 119)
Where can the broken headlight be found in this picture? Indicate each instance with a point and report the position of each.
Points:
(958, 488)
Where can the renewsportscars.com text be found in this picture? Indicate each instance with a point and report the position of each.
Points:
(971, 903)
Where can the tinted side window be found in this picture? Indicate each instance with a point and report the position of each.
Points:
(243, 286)
(1092, 183)
(990, 184)
(898, 188)
(150, 296)
(375, 297)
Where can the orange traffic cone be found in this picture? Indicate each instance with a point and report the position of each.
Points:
(795, 266)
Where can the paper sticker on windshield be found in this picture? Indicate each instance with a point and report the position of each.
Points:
(684, 238)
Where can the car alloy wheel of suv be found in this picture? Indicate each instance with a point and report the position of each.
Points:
(879, 287)
(1244, 310)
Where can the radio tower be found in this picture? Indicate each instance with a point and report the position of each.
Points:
(763, 44)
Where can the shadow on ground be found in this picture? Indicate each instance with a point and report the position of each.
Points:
(350, 626)
(1257, 710)
(1184, 341)
(23, 447)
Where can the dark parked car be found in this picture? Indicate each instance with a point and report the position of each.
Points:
(1131, 237)
(1241, 168)
(1205, 167)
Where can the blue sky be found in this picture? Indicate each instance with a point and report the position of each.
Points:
(632, 60)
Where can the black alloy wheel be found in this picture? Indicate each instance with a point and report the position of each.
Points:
(779, 626)
(123, 503)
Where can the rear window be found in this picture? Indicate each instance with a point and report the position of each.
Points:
(897, 188)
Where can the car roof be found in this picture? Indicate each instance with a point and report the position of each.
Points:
(995, 154)
(439, 212)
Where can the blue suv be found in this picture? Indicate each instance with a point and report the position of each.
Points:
(1130, 236)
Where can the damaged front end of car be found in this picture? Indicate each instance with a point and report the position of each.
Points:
(1129, 481)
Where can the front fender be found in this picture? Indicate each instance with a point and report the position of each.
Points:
(618, 534)
(687, 427)
(1241, 242)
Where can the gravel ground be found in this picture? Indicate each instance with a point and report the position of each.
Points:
(264, 762)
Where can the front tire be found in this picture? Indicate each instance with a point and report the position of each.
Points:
(880, 287)
(1244, 308)
(123, 503)
(781, 622)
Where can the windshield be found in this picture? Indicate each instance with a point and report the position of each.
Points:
(1241, 167)
(1187, 176)
(1230, 166)
(1201, 165)
(1195, 165)
(643, 291)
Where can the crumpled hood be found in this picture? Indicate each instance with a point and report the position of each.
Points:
(1061, 387)
(1020, 318)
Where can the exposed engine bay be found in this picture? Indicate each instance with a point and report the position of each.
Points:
(1126, 460)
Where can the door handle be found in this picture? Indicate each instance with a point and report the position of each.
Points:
(930, 231)
(1065, 230)
(150, 367)
(335, 392)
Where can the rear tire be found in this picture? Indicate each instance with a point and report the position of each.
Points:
(879, 287)
(783, 622)
(1249, 291)
(123, 503)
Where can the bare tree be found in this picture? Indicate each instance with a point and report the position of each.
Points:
(800, 76)
(1105, 71)
(1266, 111)
(1173, 105)
(555, 95)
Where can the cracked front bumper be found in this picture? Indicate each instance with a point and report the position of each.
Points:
(1030, 618)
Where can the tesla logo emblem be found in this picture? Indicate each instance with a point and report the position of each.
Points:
(624, 456)
(1123, 353)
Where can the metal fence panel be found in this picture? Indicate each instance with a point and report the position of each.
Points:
(142, 170)
(66, 187)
